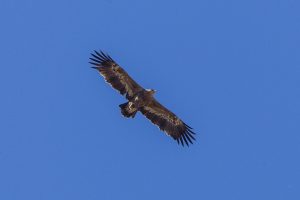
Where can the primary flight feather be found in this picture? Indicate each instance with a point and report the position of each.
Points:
(140, 99)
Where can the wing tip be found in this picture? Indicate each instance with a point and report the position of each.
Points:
(186, 137)
(99, 58)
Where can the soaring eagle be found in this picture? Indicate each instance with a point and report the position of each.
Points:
(140, 99)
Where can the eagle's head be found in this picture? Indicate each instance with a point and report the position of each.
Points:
(151, 91)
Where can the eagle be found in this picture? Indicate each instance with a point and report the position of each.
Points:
(140, 99)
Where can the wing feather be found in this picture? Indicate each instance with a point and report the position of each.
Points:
(168, 122)
(115, 75)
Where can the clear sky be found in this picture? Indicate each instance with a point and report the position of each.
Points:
(230, 69)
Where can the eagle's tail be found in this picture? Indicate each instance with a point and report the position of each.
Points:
(128, 109)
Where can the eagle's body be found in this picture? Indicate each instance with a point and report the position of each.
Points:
(137, 102)
(140, 99)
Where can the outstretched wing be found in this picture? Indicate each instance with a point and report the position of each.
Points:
(115, 75)
(168, 122)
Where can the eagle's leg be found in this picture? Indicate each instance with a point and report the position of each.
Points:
(128, 109)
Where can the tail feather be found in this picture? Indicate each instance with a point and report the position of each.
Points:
(127, 110)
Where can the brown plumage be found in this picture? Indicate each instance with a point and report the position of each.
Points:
(140, 99)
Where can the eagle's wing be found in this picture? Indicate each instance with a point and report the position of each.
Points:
(115, 75)
(168, 122)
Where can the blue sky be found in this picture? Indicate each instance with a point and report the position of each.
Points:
(230, 69)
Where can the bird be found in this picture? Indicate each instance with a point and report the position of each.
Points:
(140, 99)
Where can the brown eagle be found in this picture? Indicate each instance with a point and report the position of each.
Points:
(140, 99)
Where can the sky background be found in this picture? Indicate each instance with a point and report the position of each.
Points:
(230, 69)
